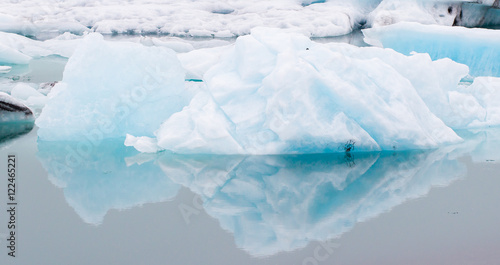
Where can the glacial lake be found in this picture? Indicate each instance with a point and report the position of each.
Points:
(80, 203)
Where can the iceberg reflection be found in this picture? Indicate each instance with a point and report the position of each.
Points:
(96, 179)
(269, 203)
(281, 203)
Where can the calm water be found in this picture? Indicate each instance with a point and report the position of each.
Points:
(107, 204)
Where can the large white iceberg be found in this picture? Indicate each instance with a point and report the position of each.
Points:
(270, 92)
(275, 92)
(113, 88)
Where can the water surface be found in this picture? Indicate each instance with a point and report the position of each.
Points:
(108, 204)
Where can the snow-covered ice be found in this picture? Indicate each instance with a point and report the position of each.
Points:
(226, 18)
(229, 18)
(477, 48)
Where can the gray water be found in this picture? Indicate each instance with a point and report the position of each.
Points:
(108, 204)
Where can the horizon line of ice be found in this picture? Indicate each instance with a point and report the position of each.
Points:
(234, 18)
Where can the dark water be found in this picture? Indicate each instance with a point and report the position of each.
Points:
(108, 204)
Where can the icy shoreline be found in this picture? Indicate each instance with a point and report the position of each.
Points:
(231, 18)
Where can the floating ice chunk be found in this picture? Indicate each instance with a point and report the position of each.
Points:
(13, 110)
(23, 91)
(16, 49)
(477, 48)
(274, 92)
(29, 96)
(5, 69)
(12, 56)
(114, 88)
(142, 144)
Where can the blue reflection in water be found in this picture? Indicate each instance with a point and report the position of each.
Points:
(269, 203)
(281, 203)
(96, 179)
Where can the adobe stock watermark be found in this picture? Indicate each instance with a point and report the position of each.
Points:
(189, 210)
(195, 207)
(321, 253)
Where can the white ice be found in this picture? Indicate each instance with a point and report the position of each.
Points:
(227, 18)
(276, 92)
(5, 69)
(113, 88)
(17, 49)
(271, 92)
(29, 96)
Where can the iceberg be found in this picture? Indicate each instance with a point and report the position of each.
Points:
(275, 92)
(12, 56)
(13, 110)
(477, 48)
(271, 92)
(458, 106)
(5, 69)
(110, 89)
(31, 97)
(17, 49)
